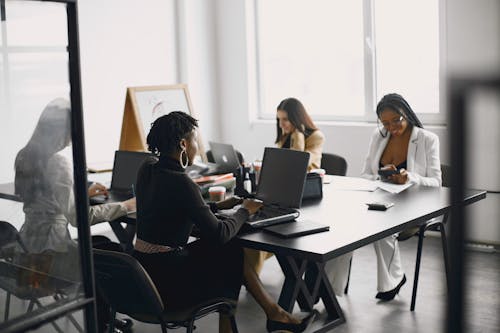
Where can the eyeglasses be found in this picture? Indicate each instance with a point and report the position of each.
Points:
(384, 127)
(393, 122)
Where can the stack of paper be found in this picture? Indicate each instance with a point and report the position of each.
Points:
(392, 188)
(362, 184)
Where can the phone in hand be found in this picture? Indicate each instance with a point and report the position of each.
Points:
(388, 172)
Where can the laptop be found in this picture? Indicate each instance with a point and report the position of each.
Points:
(225, 157)
(124, 176)
(281, 185)
(296, 228)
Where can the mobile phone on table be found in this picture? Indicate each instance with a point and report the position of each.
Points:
(379, 205)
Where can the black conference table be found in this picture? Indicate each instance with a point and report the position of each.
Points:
(352, 226)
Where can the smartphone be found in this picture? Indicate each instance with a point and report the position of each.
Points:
(388, 172)
(379, 205)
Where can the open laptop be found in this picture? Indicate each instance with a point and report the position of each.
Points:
(225, 157)
(281, 184)
(124, 176)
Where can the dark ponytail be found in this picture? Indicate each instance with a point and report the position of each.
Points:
(168, 130)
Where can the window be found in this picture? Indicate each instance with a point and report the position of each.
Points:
(340, 58)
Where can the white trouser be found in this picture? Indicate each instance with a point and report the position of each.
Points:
(337, 271)
(389, 269)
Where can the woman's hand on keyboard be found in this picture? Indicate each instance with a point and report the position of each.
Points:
(229, 202)
(97, 189)
(251, 205)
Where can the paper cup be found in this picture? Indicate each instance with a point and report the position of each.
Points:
(257, 165)
(217, 193)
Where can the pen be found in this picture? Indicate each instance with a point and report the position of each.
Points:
(133, 190)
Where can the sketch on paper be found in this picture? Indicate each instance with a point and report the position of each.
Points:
(153, 104)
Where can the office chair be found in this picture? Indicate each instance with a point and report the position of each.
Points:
(116, 272)
(210, 156)
(11, 277)
(436, 224)
(334, 164)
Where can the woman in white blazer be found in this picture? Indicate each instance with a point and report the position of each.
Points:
(400, 143)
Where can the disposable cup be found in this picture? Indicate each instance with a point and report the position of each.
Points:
(217, 193)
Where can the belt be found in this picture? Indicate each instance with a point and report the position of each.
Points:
(146, 247)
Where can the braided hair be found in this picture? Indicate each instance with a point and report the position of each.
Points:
(398, 104)
(168, 130)
(297, 115)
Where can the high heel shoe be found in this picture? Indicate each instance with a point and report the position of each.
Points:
(273, 325)
(389, 295)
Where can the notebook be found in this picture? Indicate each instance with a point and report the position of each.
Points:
(281, 185)
(124, 176)
(225, 157)
(296, 229)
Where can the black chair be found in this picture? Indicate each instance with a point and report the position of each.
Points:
(334, 164)
(116, 272)
(11, 278)
(436, 224)
(210, 157)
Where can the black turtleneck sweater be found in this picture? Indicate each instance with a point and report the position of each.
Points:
(169, 203)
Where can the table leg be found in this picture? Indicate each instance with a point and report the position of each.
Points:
(125, 235)
(295, 290)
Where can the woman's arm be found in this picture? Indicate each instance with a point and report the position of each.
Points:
(432, 175)
(63, 190)
(211, 227)
(366, 172)
(314, 145)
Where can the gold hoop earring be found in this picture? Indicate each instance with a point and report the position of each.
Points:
(181, 159)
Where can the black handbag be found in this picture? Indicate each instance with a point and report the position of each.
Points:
(313, 187)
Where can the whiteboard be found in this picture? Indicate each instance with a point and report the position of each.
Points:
(152, 104)
(143, 105)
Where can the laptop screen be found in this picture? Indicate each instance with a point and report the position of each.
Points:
(282, 177)
(224, 156)
(125, 168)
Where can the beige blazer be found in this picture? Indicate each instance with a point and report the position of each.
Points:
(313, 145)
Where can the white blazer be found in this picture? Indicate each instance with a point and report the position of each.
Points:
(423, 163)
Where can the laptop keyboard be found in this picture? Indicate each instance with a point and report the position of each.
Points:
(269, 214)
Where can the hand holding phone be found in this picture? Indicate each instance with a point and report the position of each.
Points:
(385, 172)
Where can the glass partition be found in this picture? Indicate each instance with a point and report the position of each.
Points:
(40, 263)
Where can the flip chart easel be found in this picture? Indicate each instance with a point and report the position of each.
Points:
(143, 105)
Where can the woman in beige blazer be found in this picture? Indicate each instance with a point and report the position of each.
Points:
(294, 130)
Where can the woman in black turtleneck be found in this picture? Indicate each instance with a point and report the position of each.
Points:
(169, 204)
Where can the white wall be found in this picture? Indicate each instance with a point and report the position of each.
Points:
(198, 59)
(123, 43)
